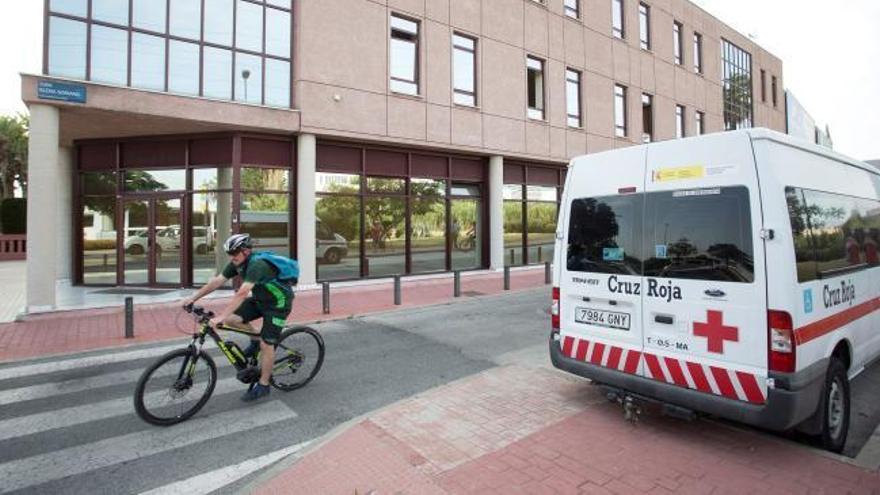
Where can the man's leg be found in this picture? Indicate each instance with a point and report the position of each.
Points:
(267, 361)
(241, 318)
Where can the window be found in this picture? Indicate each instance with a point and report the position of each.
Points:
(619, 111)
(109, 55)
(404, 56)
(248, 78)
(679, 121)
(464, 70)
(535, 68)
(183, 67)
(736, 83)
(573, 8)
(645, 26)
(277, 83)
(833, 234)
(67, 48)
(217, 66)
(698, 122)
(702, 234)
(605, 235)
(617, 23)
(185, 18)
(112, 11)
(763, 86)
(573, 97)
(698, 53)
(148, 14)
(147, 61)
(647, 118)
(676, 42)
(249, 26)
(773, 89)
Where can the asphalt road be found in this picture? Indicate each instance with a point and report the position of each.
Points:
(67, 425)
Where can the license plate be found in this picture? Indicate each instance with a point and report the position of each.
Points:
(602, 318)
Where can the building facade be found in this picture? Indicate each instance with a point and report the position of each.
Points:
(364, 137)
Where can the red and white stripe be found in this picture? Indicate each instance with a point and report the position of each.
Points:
(733, 384)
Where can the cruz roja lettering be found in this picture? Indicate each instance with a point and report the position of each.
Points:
(623, 287)
(845, 294)
(666, 291)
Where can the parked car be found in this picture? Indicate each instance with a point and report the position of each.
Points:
(330, 247)
(168, 238)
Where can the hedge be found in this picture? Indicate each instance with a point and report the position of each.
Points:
(13, 216)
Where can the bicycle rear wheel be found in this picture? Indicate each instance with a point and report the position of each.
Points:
(174, 388)
(298, 358)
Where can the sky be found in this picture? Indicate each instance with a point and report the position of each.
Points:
(830, 53)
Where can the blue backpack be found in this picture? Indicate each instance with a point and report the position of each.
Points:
(288, 269)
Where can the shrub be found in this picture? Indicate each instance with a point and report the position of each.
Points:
(13, 216)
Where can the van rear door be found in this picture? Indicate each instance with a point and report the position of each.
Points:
(705, 300)
(600, 302)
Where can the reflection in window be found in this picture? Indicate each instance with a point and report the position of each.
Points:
(541, 218)
(67, 48)
(185, 18)
(337, 183)
(679, 121)
(464, 69)
(617, 26)
(386, 236)
(211, 224)
(279, 3)
(266, 218)
(677, 48)
(337, 237)
(404, 55)
(265, 179)
(573, 97)
(736, 82)
(698, 123)
(278, 33)
(512, 191)
(218, 21)
(467, 249)
(148, 14)
(183, 68)
(249, 27)
(619, 111)
(154, 180)
(248, 78)
(644, 26)
(217, 67)
(277, 83)
(109, 55)
(99, 240)
(428, 242)
(208, 179)
(541, 193)
(147, 61)
(72, 7)
(604, 235)
(573, 8)
(513, 233)
(114, 11)
(98, 183)
(385, 185)
(465, 190)
(647, 118)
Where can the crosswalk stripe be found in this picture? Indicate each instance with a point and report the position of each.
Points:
(71, 416)
(81, 459)
(208, 482)
(85, 362)
(43, 390)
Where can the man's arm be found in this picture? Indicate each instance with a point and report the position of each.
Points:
(206, 289)
(240, 295)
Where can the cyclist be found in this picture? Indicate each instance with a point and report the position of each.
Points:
(261, 295)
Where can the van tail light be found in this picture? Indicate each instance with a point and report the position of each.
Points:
(781, 343)
(554, 313)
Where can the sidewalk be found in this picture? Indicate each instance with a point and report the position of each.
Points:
(514, 429)
(71, 331)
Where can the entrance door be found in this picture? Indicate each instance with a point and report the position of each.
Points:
(152, 241)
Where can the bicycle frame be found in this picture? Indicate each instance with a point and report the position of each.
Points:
(233, 354)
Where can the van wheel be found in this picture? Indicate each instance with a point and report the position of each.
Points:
(835, 407)
(332, 256)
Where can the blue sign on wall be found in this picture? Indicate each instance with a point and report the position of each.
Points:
(53, 90)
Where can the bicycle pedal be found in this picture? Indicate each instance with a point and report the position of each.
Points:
(248, 375)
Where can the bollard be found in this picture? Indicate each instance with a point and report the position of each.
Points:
(397, 290)
(512, 257)
(547, 277)
(129, 317)
(456, 278)
(540, 258)
(326, 297)
(507, 278)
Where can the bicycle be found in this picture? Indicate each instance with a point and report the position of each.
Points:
(178, 372)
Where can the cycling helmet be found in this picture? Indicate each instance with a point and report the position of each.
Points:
(236, 243)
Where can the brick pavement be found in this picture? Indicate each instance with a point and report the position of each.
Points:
(514, 429)
(71, 331)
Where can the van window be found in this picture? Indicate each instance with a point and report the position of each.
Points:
(842, 231)
(699, 234)
(604, 235)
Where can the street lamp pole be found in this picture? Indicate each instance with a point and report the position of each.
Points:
(245, 74)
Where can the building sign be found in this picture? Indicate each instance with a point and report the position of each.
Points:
(53, 90)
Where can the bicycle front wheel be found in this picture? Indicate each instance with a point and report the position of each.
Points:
(298, 358)
(175, 387)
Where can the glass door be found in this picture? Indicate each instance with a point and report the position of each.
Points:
(152, 241)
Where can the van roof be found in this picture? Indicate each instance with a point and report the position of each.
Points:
(760, 133)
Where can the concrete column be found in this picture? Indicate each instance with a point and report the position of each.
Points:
(224, 217)
(42, 200)
(306, 162)
(64, 217)
(496, 212)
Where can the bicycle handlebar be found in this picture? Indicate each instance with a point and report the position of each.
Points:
(202, 315)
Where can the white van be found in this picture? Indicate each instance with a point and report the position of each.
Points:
(734, 274)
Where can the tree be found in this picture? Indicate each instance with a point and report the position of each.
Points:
(738, 101)
(13, 153)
